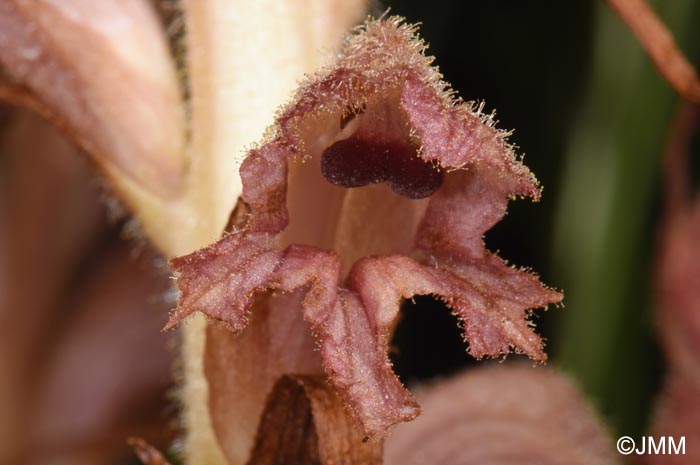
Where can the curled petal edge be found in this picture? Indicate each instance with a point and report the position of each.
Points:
(352, 323)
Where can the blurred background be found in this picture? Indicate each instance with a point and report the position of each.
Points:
(590, 113)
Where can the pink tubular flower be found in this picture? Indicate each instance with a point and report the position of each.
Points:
(375, 184)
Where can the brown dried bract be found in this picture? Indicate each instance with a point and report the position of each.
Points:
(305, 423)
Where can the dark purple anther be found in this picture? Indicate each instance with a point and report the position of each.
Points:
(357, 162)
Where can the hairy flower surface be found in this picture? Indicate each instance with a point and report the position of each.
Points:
(374, 185)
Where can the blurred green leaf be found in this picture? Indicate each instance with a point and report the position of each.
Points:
(603, 234)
